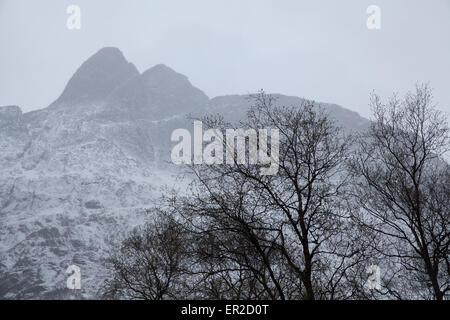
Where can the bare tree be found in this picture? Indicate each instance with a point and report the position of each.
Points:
(152, 263)
(289, 232)
(310, 230)
(402, 191)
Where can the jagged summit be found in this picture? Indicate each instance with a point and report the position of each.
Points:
(98, 77)
(161, 79)
(162, 71)
(157, 93)
(107, 78)
(161, 67)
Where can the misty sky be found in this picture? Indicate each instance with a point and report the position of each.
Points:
(320, 50)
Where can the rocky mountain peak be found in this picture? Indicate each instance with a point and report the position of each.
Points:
(162, 72)
(97, 77)
(158, 93)
(161, 79)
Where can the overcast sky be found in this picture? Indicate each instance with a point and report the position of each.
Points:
(320, 50)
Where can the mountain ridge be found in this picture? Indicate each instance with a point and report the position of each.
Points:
(131, 73)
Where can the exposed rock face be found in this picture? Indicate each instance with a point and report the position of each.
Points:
(80, 173)
(14, 136)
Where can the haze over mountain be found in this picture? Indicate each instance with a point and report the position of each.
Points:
(98, 77)
(77, 175)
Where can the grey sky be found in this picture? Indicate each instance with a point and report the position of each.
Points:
(320, 50)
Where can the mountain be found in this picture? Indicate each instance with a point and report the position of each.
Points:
(97, 78)
(78, 175)
(234, 108)
(156, 94)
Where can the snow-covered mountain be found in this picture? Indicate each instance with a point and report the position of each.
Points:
(79, 174)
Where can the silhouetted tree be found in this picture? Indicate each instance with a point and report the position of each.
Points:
(152, 263)
(288, 233)
(401, 185)
(310, 230)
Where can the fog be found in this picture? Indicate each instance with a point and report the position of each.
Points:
(320, 50)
